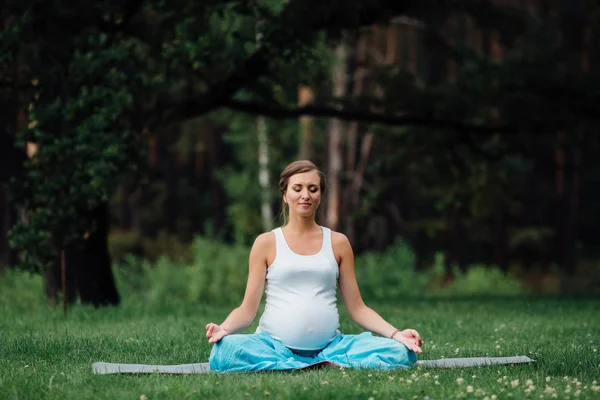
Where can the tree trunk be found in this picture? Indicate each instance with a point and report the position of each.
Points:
(571, 223)
(7, 219)
(305, 97)
(335, 167)
(359, 82)
(88, 268)
(263, 174)
(453, 252)
(125, 212)
(215, 156)
(263, 155)
(95, 281)
(170, 175)
(357, 182)
(500, 240)
(559, 204)
(11, 166)
(335, 141)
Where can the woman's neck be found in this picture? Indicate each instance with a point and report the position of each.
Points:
(301, 225)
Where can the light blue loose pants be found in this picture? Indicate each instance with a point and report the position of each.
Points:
(261, 352)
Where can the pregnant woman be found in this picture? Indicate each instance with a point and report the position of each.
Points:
(302, 264)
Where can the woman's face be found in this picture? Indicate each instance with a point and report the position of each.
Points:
(303, 194)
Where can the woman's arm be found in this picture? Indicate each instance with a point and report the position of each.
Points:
(243, 315)
(358, 310)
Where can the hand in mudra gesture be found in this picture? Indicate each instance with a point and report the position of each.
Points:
(214, 332)
(410, 338)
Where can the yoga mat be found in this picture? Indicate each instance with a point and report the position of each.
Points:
(202, 368)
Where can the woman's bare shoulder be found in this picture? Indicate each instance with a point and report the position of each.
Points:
(264, 241)
(338, 238)
(264, 248)
(340, 245)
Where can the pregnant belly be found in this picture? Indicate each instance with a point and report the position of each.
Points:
(308, 326)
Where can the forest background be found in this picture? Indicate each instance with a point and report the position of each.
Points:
(145, 139)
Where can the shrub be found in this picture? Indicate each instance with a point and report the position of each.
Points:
(389, 275)
(125, 243)
(21, 290)
(482, 280)
(215, 274)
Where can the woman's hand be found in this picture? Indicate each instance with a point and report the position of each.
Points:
(214, 333)
(410, 338)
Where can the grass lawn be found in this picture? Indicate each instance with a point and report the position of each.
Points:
(45, 356)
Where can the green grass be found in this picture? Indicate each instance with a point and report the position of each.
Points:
(44, 355)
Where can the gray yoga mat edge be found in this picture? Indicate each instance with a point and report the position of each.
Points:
(203, 368)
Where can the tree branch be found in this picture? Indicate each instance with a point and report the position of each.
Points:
(359, 115)
(289, 33)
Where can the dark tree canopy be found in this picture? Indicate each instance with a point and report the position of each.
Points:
(93, 78)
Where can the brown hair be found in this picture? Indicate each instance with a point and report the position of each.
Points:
(297, 167)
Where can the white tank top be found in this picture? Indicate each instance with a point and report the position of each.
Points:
(301, 308)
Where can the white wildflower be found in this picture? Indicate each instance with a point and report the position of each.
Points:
(460, 381)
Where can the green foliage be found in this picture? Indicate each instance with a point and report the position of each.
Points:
(215, 274)
(94, 82)
(480, 280)
(20, 291)
(122, 244)
(390, 274)
(80, 118)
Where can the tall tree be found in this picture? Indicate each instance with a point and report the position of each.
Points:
(335, 133)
